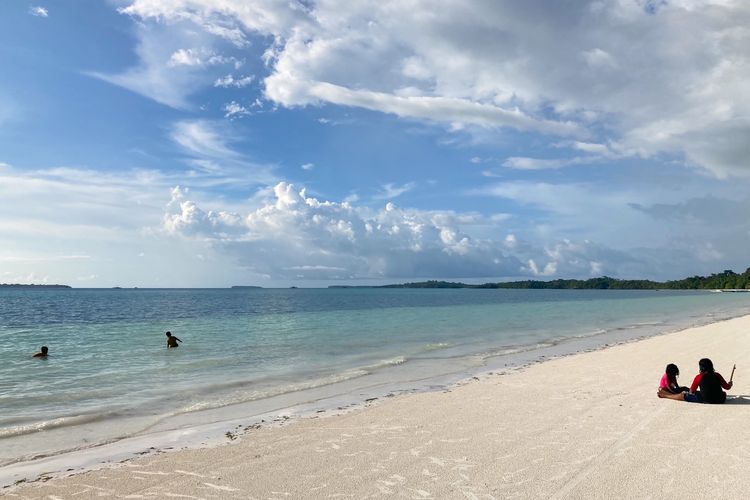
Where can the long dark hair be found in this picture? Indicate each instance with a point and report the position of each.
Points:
(672, 372)
(706, 365)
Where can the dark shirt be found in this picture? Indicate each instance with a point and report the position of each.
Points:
(710, 387)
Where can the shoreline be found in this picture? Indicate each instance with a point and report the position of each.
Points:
(280, 410)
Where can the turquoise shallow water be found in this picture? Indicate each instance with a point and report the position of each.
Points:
(110, 375)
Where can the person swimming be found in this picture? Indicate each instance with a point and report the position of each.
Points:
(172, 340)
(43, 353)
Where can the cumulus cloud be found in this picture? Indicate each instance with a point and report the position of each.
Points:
(295, 236)
(184, 57)
(187, 218)
(285, 234)
(630, 77)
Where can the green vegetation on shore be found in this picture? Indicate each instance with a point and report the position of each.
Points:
(727, 280)
(17, 285)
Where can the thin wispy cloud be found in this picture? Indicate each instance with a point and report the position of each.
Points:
(203, 138)
(235, 110)
(38, 11)
(217, 163)
(390, 191)
(230, 81)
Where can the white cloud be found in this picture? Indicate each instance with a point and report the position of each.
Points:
(234, 109)
(268, 17)
(291, 91)
(231, 81)
(521, 163)
(45, 258)
(184, 57)
(598, 58)
(630, 77)
(549, 269)
(390, 191)
(216, 164)
(91, 219)
(167, 72)
(308, 166)
(103, 224)
(294, 235)
(38, 11)
(203, 138)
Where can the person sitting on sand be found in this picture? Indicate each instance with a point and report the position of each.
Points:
(669, 380)
(172, 340)
(708, 381)
(42, 353)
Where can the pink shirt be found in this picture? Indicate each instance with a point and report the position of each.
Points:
(664, 384)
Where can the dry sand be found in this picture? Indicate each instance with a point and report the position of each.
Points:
(583, 426)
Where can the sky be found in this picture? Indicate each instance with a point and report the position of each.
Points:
(211, 143)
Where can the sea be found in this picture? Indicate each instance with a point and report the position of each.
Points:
(252, 353)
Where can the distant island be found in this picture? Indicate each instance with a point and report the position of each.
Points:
(727, 280)
(17, 285)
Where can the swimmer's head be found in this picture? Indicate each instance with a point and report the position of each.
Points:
(169, 334)
(44, 349)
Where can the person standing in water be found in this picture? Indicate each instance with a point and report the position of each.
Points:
(172, 340)
(42, 353)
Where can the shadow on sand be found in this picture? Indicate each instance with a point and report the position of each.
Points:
(738, 399)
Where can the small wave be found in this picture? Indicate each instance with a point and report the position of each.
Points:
(55, 423)
(255, 395)
(650, 323)
(437, 346)
(384, 363)
(598, 331)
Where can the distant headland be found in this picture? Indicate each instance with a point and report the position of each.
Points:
(18, 285)
(727, 280)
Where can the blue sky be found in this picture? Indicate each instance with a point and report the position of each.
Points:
(217, 142)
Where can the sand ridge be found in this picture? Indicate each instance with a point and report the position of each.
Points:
(582, 426)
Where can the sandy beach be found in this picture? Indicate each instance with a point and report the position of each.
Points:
(582, 426)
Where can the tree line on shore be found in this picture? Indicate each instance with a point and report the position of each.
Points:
(727, 280)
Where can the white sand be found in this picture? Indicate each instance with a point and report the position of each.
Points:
(583, 426)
